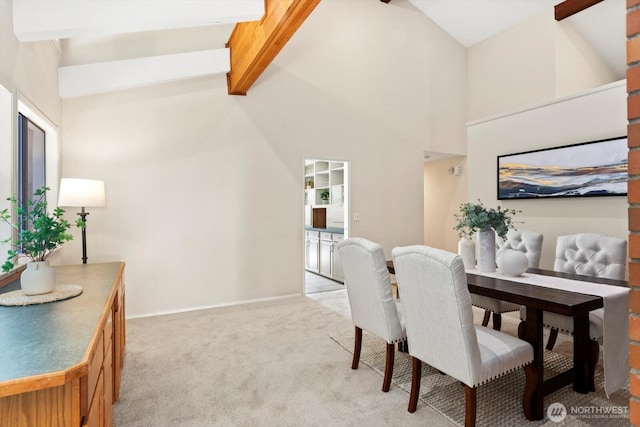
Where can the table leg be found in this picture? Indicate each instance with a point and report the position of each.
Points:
(533, 334)
(581, 353)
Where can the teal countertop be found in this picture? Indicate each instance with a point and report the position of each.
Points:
(46, 338)
(327, 230)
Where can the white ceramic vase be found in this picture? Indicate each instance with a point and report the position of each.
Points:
(487, 251)
(39, 278)
(467, 251)
(512, 262)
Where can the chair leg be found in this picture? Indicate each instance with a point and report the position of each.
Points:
(531, 381)
(356, 348)
(470, 406)
(553, 336)
(594, 355)
(416, 375)
(485, 319)
(497, 321)
(388, 369)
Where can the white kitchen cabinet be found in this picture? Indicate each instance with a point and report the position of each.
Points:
(321, 254)
(337, 273)
(312, 251)
(326, 248)
(335, 216)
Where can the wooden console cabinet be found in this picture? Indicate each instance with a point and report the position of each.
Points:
(61, 362)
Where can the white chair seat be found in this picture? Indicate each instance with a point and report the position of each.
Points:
(565, 323)
(500, 353)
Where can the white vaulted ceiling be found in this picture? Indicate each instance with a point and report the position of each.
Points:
(82, 20)
(60, 19)
(104, 28)
(472, 21)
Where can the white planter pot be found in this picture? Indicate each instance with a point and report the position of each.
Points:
(487, 251)
(38, 278)
(467, 251)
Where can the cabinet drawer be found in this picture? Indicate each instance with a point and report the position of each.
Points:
(95, 415)
(107, 332)
(325, 236)
(338, 238)
(107, 375)
(95, 365)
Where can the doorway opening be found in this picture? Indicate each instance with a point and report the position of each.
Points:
(326, 213)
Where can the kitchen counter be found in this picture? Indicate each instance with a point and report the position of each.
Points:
(326, 230)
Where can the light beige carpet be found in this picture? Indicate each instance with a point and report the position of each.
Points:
(499, 402)
(275, 364)
(256, 365)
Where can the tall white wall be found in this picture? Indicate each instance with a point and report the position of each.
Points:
(592, 115)
(444, 192)
(205, 190)
(29, 69)
(530, 63)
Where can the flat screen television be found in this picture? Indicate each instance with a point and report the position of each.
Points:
(589, 169)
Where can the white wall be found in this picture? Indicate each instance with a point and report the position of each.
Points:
(30, 69)
(205, 190)
(28, 73)
(530, 63)
(592, 115)
(444, 192)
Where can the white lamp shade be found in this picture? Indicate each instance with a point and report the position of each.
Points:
(76, 192)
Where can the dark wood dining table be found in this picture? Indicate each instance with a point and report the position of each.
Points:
(537, 299)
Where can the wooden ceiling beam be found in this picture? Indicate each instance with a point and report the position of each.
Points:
(253, 45)
(570, 7)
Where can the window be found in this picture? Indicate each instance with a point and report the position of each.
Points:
(31, 158)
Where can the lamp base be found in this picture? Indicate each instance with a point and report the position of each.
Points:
(83, 215)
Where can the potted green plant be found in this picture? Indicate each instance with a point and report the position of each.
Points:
(324, 195)
(38, 233)
(477, 218)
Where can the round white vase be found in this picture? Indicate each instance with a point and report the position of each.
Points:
(467, 251)
(38, 278)
(487, 251)
(512, 262)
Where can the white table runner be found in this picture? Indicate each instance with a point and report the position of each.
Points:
(615, 329)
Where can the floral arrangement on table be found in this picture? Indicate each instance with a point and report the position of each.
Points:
(475, 217)
(39, 233)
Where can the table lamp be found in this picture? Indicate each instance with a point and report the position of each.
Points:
(81, 193)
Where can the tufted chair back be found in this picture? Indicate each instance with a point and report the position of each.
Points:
(592, 255)
(368, 284)
(525, 241)
(437, 308)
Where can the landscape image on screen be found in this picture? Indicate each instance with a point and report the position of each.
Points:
(591, 169)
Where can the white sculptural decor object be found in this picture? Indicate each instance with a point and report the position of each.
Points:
(475, 217)
(512, 262)
(487, 251)
(467, 250)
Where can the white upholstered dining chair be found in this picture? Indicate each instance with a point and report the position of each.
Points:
(372, 306)
(591, 255)
(528, 242)
(440, 329)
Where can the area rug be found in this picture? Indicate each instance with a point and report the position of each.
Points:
(498, 402)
